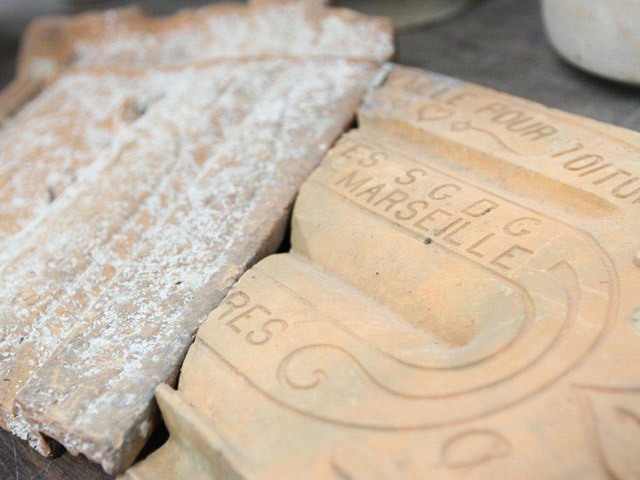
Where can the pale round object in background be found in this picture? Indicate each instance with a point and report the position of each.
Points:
(600, 36)
(408, 13)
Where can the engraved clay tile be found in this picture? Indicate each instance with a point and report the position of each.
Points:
(158, 159)
(461, 301)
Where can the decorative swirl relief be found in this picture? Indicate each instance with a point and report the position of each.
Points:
(317, 377)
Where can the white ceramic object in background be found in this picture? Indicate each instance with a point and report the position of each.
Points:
(600, 36)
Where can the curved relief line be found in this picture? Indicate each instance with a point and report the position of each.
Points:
(569, 279)
(613, 294)
(586, 404)
(626, 415)
(356, 426)
(468, 125)
(528, 303)
(614, 290)
(499, 446)
(320, 375)
(339, 472)
(572, 289)
(582, 387)
(529, 309)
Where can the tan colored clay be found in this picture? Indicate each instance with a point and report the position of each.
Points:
(460, 302)
(158, 162)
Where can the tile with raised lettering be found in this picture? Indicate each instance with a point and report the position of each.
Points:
(461, 301)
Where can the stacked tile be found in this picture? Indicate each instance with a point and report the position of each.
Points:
(157, 162)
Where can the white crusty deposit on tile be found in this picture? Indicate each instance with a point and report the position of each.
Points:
(229, 32)
(150, 252)
(158, 162)
(51, 142)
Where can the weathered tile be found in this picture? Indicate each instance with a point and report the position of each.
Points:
(460, 301)
(189, 183)
(52, 141)
(48, 143)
